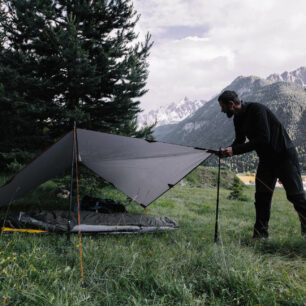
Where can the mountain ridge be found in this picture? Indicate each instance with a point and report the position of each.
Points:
(209, 128)
(173, 113)
(297, 76)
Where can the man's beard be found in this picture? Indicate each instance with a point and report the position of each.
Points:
(229, 114)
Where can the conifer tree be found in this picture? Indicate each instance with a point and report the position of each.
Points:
(69, 60)
(237, 192)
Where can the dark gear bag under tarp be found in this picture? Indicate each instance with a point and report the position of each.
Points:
(105, 206)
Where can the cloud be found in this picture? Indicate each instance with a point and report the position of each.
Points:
(201, 46)
(181, 32)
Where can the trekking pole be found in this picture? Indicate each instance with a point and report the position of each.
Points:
(218, 192)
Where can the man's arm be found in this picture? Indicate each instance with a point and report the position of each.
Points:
(239, 136)
(260, 125)
(239, 139)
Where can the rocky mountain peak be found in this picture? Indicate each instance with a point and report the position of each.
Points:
(170, 114)
(297, 76)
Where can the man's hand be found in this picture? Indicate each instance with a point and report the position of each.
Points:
(227, 152)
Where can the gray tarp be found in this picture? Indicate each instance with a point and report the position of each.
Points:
(141, 169)
(47, 165)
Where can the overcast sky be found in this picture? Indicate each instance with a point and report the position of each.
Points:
(200, 46)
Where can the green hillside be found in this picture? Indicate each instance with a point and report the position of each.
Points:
(207, 177)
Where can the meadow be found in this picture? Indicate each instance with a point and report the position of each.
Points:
(181, 267)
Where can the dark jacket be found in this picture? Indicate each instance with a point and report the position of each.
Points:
(265, 134)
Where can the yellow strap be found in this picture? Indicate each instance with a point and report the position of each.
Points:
(22, 230)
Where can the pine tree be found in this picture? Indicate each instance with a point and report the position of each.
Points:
(237, 192)
(69, 60)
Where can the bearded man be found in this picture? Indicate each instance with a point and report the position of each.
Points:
(257, 128)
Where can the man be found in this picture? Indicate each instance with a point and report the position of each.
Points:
(277, 156)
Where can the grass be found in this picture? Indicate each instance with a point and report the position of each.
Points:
(183, 267)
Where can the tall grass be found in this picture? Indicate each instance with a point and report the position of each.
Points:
(182, 267)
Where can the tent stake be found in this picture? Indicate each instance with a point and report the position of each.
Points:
(218, 192)
(71, 186)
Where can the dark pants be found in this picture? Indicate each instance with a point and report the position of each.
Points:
(288, 172)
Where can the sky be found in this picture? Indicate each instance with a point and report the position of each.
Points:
(201, 46)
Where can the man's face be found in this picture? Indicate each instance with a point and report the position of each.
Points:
(228, 109)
